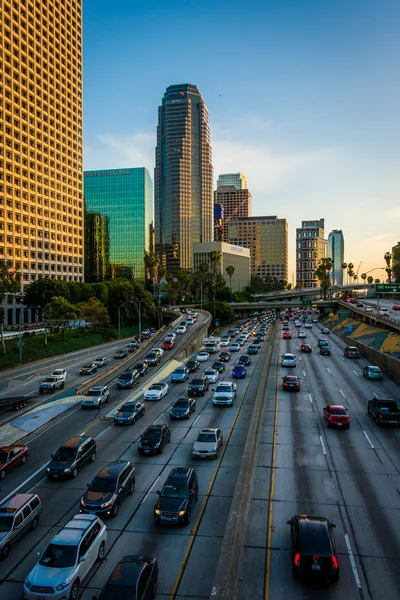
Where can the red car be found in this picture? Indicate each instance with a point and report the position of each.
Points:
(168, 345)
(306, 348)
(287, 335)
(396, 307)
(11, 457)
(336, 415)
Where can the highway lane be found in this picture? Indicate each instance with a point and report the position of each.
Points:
(133, 530)
(385, 303)
(352, 477)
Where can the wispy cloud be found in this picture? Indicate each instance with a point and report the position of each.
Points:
(111, 152)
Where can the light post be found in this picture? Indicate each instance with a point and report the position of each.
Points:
(140, 316)
(119, 315)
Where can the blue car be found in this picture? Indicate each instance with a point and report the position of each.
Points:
(180, 374)
(239, 372)
(128, 379)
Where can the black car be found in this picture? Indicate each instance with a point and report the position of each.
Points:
(152, 358)
(199, 386)
(218, 366)
(352, 352)
(325, 351)
(225, 356)
(193, 365)
(108, 489)
(153, 440)
(128, 379)
(183, 408)
(142, 368)
(88, 369)
(245, 360)
(71, 457)
(252, 349)
(177, 497)
(134, 578)
(121, 354)
(313, 547)
(129, 413)
(290, 383)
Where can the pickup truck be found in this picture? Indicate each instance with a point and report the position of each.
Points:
(50, 384)
(225, 393)
(60, 373)
(384, 411)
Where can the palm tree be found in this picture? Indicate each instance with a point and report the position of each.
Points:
(344, 267)
(215, 260)
(230, 270)
(388, 260)
(203, 271)
(350, 272)
(370, 279)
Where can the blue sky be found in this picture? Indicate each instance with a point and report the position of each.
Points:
(303, 97)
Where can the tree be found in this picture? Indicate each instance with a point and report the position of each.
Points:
(61, 309)
(377, 280)
(388, 260)
(95, 312)
(322, 273)
(9, 287)
(230, 270)
(344, 267)
(224, 312)
(396, 263)
(350, 272)
(215, 260)
(370, 279)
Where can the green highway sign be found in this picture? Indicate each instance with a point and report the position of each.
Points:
(306, 301)
(344, 314)
(390, 288)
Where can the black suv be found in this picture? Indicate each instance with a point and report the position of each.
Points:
(183, 408)
(71, 457)
(108, 489)
(133, 577)
(193, 365)
(245, 360)
(142, 368)
(153, 440)
(199, 385)
(313, 547)
(180, 492)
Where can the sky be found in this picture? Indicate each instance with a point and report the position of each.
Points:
(303, 98)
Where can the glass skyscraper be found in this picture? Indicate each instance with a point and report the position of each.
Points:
(336, 253)
(124, 198)
(237, 179)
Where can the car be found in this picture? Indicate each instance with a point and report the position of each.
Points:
(168, 345)
(72, 456)
(152, 358)
(285, 327)
(323, 342)
(134, 577)
(159, 351)
(313, 547)
(129, 412)
(252, 349)
(231, 333)
(180, 374)
(325, 351)
(315, 320)
(153, 440)
(96, 397)
(225, 357)
(359, 304)
(133, 346)
(245, 360)
(127, 379)
(189, 322)
(208, 443)
(121, 353)
(288, 360)
(198, 386)
(182, 408)
(308, 325)
(369, 309)
(384, 312)
(239, 372)
(102, 361)
(290, 383)
(60, 373)
(302, 334)
(108, 489)
(218, 366)
(384, 410)
(225, 341)
(396, 307)
(19, 514)
(67, 559)
(193, 365)
(287, 335)
(234, 348)
(181, 330)
(88, 369)
(297, 323)
(306, 348)
(225, 393)
(177, 497)
(325, 330)
(50, 384)
(212, 375)
(171, 336)
(141, 368)
(10, 457)
(351, 352)
(156, 391)
(372, 372)
(202, 356)
(337, 415)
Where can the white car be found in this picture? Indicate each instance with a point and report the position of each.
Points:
(156, 391)
(190, 321)
(202, 356)
(159, 350)
(60, 373)
(60, 567)
(171, 337)
(225, 342)
(288, 360)
(212, 375)
(96, 396)
(302, 334)
(308, 325)
(315, 320)
(225, 393)
(297, 324)
(384, 312)
(181, 329)
(369, 309)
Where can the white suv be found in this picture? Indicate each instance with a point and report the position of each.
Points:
(96, 396)
(67, 559)
(225, 393)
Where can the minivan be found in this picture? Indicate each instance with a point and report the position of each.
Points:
(18, 514)
(71, 457)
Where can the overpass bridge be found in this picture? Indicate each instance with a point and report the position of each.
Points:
(317, 291)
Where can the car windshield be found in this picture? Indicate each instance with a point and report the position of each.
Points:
(57, 372)
(206, 437)
(181, 403)
(224, 388)
(288, 357)
(151, 434)
(173, 491)
(156, 386)
(6, 522)
(338, 411)
(65, 454)
(58, 556)
(48, 380)
(209, 372)
(139, 366)
(191, 363)
(180, 370)
(203, 354)
(102, 484)
(151, 355)
(197, 382)
(290, 378)
(239, 368)
(98, 359)
(375, 369)
(125, 376)
(128, 408)
(217, 365)
(86, 366)
(93, 393)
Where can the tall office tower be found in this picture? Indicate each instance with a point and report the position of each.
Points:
(236, 179)
(336, 253)
(267, 239)
(41, 199)
(235, 202)
(311, 246)
(124, 197)
(97, 247)
(183, 176)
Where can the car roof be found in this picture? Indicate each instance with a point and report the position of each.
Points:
(97, 388)
(180, 473)
(75, 441)
(314, 535)
(126, 572)
(155, 427)
(113, 469)
(208, 430)
(15, 502)
(74, 530)
(129, 403)
(8, 448)
(337, 406)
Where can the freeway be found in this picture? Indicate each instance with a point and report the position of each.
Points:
(350, 476)
(385, 303)
(187, 555)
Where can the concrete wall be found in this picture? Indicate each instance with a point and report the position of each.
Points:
(389, 366)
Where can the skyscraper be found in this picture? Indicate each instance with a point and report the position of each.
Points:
(235, 202)
(336, 253)
(183, 176)
(41, 199)
(236, 179)
(311, 246)
(124, 197)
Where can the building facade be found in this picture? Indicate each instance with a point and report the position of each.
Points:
(124, 198)
(238, 180)
(236, 204)
(267, 239)
(97, 247)
(183, 176)
(231, 255)
(311, 246)
(336, 253)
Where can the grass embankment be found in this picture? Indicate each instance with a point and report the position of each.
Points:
(34, 347)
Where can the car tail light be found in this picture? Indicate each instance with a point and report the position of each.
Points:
(297, 560)
(380, 416)
(297, 385)
(285, 384)
(335, 563)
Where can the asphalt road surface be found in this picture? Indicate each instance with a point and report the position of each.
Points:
(350, 476)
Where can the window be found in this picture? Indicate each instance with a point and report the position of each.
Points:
(18, 519)
(26, 511)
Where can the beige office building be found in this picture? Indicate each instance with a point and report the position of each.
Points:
(267, 239)
(236, 256)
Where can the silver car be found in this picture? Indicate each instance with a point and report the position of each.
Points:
(208, 443)
(18, 515)
(288, 360)
(96, 397)
(212, 375)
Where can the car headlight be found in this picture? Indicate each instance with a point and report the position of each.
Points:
(67, 470)
(181, 513)
(107, 504)
(28, 583)
(157, 511)
(48, 469)
(157, 445)
(62, 586)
